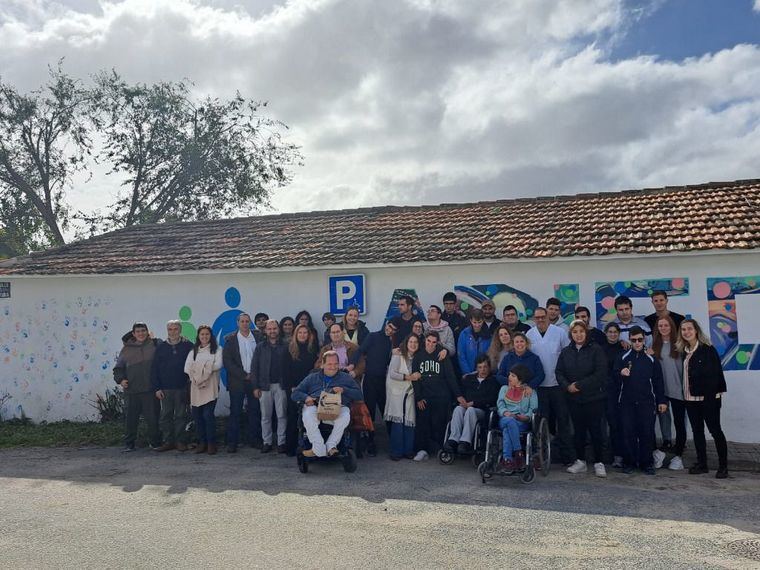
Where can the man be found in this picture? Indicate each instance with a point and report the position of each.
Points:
(328, 319)
(547, 341)
(170, 385)
(404, 320)
(237, 356)
(327, 379)
(132, 373)
(437, 324)
(376, 349)
(267, 378)
(490, 322)
(433, 392)
(480, 391)
(659, 300)
(626, 321)
(554, 313)
(260, 321)
(457, 321)
(511, 319)
(595, 335)
(473, 342)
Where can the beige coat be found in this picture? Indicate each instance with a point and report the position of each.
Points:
(204, 375)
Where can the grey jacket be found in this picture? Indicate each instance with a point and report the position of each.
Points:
(268, 365)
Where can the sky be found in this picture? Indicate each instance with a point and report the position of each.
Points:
(438, 101)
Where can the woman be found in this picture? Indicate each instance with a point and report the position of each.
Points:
(418, 329)
(501, 344)
(665, 350)
(582, 373)
(299, 362)
(399, 399)
(521, 354)
(515, 404)
(703, 386)
(287, 324)
(345, 350)
(304, 318)
(354, 330)
(613, 349)
(202, 366)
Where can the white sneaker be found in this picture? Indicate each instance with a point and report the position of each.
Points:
(617, 461)
(657, 458)
(577, 467)
(676, 464)
(422, 455)
(599, 470)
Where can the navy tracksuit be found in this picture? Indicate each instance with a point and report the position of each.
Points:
(638, 397)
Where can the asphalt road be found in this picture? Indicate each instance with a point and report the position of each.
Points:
(96, 508)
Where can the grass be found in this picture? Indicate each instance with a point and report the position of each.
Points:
(17, 433)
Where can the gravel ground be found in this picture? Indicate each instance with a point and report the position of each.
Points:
(96, 508)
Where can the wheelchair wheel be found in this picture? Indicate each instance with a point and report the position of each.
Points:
(445, 457)
(349, 461)
(529, 475)
(477, 458)
(543, 452)
(483, 471)
(303, 465)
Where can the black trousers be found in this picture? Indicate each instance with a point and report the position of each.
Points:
(637, 422)
(144, 404)
(430, 425)
(707, 413)
(291, 429)
(552, 404)
(678, 409)
(588, 418)
(374, 394)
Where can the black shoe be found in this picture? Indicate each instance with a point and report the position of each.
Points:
(128, 448)
(371, 448)
(464, 448)
(698, 469)
(721, 473)
(280, 449)
(232, 449)
(450, 446)
(666, 447)
(266, 448)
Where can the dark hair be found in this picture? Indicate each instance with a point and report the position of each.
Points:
(404, 343)
(212, 343)
(450, 297)
(307, 314)
(328, 315)
(476, 315)
(436, 307)
(609, 326)
(433, 334)
(509, 308)
(553, 301)
(523, 373)
(408, 299)
(623, 300)
(657, 340)
(139, 326)
(658, 292)
(242, 315)
(482, 358)
(339, 325)
(523, 336)
(636, 330)
(581, 309)
(260, 316)
(283, 320)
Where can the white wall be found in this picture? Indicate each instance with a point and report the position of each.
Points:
(59, 336)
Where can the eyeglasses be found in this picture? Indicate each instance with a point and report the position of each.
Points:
(637, 340)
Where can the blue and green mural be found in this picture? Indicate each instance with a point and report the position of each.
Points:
(569, 295)
(606, 291)
(724, 322)
(501, 295)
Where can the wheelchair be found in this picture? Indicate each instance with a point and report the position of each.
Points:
(478, 453)
(346, 455)
(536, 443)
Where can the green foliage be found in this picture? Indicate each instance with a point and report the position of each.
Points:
(24, 433)
(110, 406)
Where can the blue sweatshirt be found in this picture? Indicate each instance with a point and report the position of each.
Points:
(317, 382)
(168, 368)
(469, 346)
(645, 384)
(376, 348)
(529, 359)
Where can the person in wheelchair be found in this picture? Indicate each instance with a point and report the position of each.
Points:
(515, 407)
(480, 390)
(328, 379)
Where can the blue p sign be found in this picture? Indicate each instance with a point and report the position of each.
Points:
(346, 291)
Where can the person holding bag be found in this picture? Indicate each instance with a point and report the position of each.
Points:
(202, 366)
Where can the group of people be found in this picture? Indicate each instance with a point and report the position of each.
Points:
(608, 387)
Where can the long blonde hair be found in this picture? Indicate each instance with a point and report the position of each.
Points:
(682, 345)
(494, 351)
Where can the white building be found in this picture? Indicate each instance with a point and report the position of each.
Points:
(64, 311)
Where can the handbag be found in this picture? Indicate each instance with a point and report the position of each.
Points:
(361, 419)
(328, 408)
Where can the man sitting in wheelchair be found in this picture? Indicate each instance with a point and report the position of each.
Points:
(480, 390)
(328, 379)
(515, 405)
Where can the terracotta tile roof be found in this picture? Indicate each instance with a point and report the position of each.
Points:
(710, 216)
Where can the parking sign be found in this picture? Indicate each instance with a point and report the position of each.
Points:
(347, 291)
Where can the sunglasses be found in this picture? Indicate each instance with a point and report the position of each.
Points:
(637, 340)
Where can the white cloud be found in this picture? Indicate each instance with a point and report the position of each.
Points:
(425, 101)
(757, 6)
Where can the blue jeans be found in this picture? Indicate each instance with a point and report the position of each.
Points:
(253, 415)
(205, 425)
(401, 440)
(511, 429)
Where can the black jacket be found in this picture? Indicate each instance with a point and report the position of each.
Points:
(237, 378)
(438, 379)
(492, 327)
(360, 333)
(457, 322)
(168, 368)
(644, 384)
(587, 367)
(482, 394)
(706, 372)
(268, 365)
(296, 369)
(612, 352)
(376, 349)
(651, 320)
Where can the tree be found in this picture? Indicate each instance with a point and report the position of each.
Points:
(187, 159)
(44, 140)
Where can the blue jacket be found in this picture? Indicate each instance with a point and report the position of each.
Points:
(376, 348)
(469, 347)
(168, 367)
(529, 359)
(645, 384)
(317, 382)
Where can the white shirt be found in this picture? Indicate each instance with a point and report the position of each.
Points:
(547, 348)
(247, 345)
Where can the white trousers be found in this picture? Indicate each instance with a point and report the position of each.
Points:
(279, 397)
(311, 425)
(463, 422)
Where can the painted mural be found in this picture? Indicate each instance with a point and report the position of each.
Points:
(68, 346)
(606, 291)
(501, 295)
(569, 295)
(724, 322)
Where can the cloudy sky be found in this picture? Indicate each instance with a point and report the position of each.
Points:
(430, 101)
